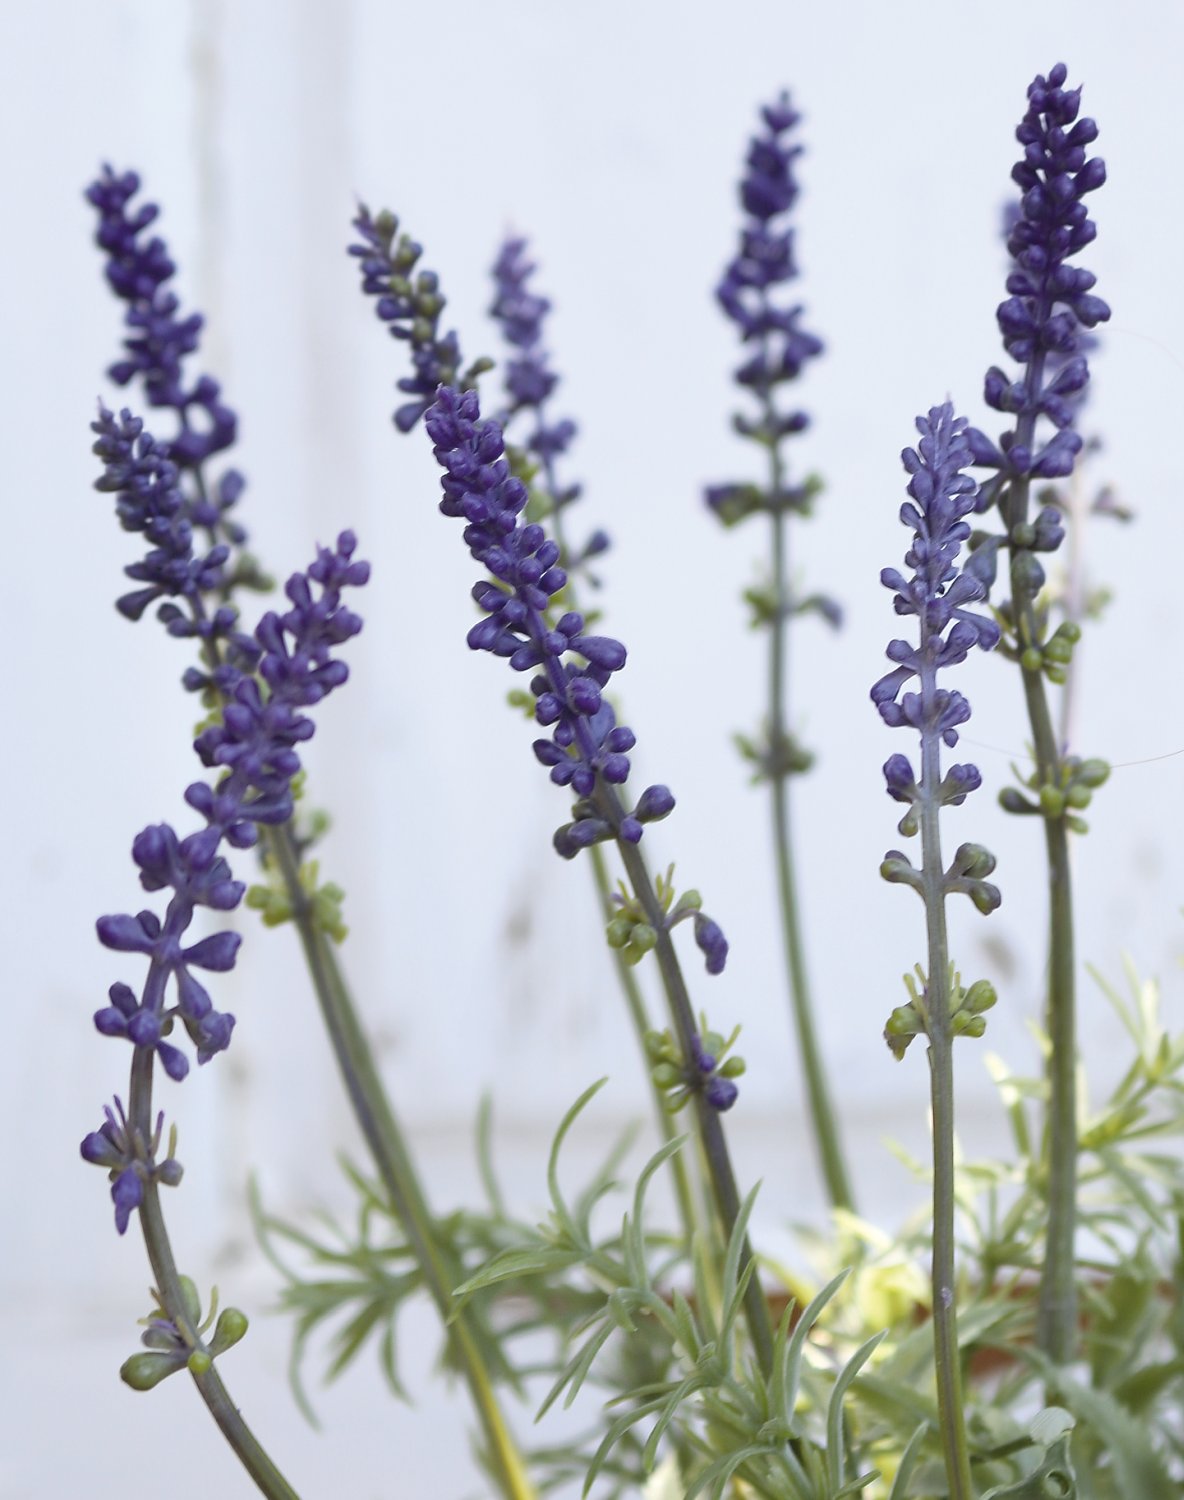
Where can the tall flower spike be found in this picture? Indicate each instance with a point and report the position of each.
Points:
(778, 346)
(587, 744)
(255, 742)
(410, 305)
(530, 383)
(529, 380)
(776, 349)
(160, 482)
(1049, 301)
(937, 593)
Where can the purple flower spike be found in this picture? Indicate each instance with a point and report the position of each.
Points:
(942, 495)
(138, 272)
(253, 746)
(1049, 301)
(410, 305)
(529, 385)
(764, 260)
(586, 745)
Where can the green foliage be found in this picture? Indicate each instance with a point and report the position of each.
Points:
(641, 1333)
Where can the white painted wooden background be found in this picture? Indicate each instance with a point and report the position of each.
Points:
(611, 134)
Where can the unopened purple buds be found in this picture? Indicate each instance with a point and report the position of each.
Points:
(587, 749)
(130, 1161)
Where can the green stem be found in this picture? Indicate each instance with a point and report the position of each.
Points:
(710, 1126)
(376, 1119)
(250, 1452)
(1056, 1326)
(946, 1356)
(688, 1206)
(822, 1111)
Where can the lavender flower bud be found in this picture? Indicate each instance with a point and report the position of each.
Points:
(1049, 301)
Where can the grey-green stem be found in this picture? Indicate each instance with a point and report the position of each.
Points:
(246, 1446)
(688, 1204)
(707, 1119)
(947, 1360)
(823, 1117)
(1056, 1328)
(384, 1139)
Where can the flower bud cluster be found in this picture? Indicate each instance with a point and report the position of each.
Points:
(966, 1011)
(1071, 792)
(631, 932)
(709, 1071)
(138, 272)
(530, 382)
(587, 746)
(410, 304)
(764, 260)
(150, 500)
(1049, 300)
(175, 1346)
(253, 747)
(778, 347)
(130, 1160)
(1044, 322)
(939, 594)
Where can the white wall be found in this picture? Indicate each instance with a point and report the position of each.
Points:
(612, 135)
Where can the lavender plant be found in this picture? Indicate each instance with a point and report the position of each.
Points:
(723, 1374)
(938, 594)
(777, 350)
(1049, 302)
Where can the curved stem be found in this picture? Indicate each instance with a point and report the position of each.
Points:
(384, 1138)
(249, 1451)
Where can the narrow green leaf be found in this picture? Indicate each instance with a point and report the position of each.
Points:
(908, 1460)
(836, 1448)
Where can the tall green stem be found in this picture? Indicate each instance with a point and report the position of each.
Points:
(822, 1111)
(947, 1360)
(1056, 1328)
(385, 1141)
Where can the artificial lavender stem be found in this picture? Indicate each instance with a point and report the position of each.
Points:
(1050, 301)
(822, 1111)
(162, 491)
(946, 1356)
(707, 1118)
(777, 349)
(382, 1134)
(587, 750)
(246, 1447)
(938, 593)
(529, 385)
